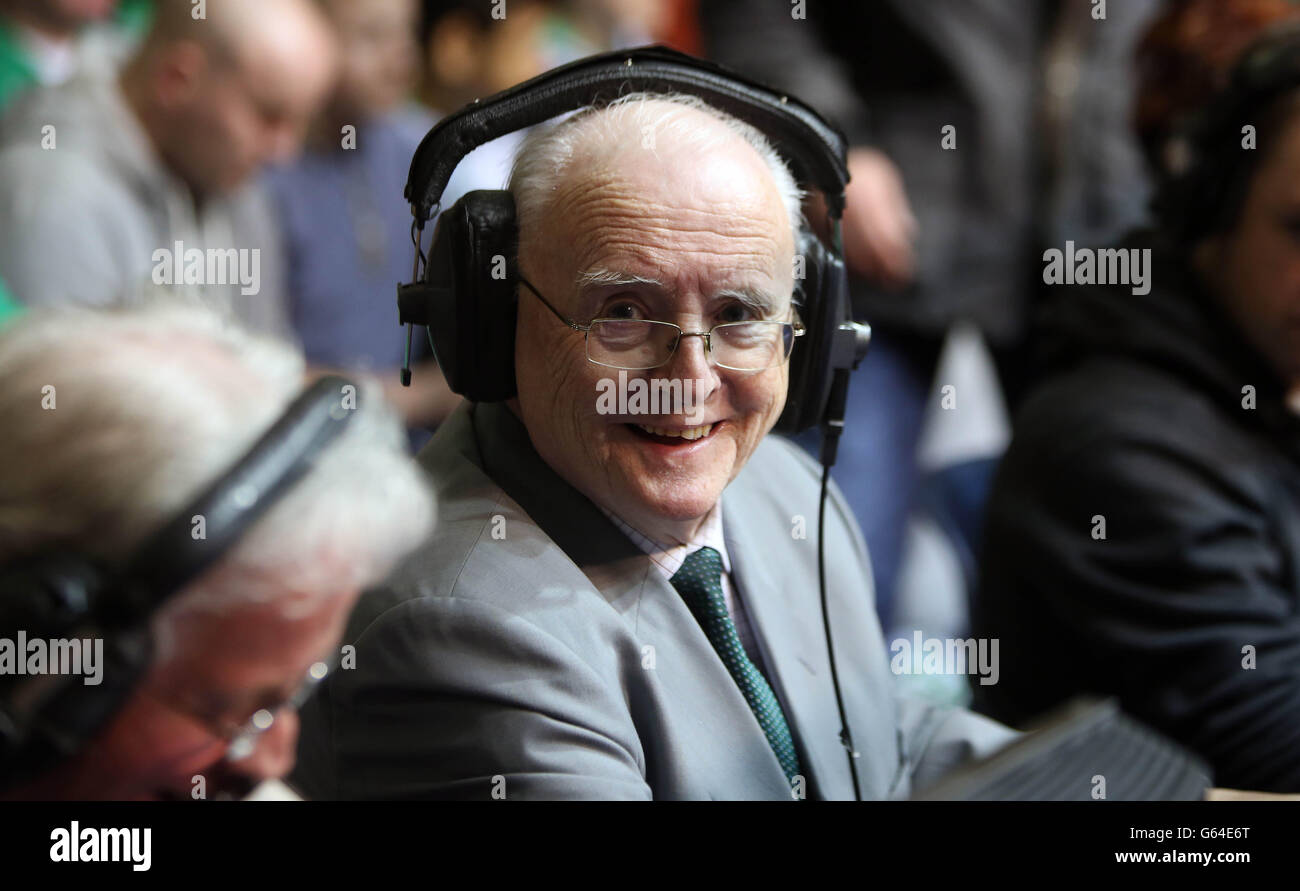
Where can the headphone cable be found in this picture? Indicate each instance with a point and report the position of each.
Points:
(831, 430)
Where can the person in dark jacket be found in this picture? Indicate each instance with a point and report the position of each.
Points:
(1143, 537)
(962, 169)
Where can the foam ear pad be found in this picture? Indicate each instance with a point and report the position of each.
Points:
(469, 295)
(823, 307)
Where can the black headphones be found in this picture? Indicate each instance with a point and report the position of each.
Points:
(1209, 171)
(470, 314)
(46, 718)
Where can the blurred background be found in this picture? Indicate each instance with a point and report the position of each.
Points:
(982, 132)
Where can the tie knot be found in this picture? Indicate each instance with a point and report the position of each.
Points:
(702, 568)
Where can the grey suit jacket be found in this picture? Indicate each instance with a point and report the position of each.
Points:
(530, 650)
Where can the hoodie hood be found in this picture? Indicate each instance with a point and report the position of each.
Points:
(1177, 327)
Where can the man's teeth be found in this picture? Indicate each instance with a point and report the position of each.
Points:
(688, 433)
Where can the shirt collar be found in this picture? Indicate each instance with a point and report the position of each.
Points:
(668, 557)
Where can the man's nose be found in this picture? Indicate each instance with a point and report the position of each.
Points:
(273, 753)
(690, 361)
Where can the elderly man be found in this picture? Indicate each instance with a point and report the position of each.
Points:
(106, 185)
(597, 618)
(118, 418)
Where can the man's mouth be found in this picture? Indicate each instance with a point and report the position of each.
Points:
(673, 436)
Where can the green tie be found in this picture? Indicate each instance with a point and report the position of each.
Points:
(699, 581)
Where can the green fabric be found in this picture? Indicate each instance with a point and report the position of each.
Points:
(135, 15)
(9, 309)
(699, 581)
(16, 73)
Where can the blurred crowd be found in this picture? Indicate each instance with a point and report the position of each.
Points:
(253, 160)
(281, 128)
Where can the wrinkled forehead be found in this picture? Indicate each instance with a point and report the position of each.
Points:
(250, 645)
(704, 220)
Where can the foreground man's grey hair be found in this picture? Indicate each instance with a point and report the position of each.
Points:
(117, 418)
(547, 151)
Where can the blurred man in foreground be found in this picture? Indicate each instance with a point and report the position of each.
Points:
(107, 185)
(152, 406)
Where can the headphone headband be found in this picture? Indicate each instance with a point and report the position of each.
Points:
(813, 147)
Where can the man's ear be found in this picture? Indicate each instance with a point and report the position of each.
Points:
(179, 72)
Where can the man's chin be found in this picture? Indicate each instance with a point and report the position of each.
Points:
(672, 503)
(669, 497)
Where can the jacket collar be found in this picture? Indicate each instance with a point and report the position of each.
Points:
(573, 522)
(782, 599)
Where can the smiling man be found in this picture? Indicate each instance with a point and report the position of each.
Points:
(619, 605)
(710, 244)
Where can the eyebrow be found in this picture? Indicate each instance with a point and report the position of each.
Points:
(593, 278)
(759, 302)
(762, 303)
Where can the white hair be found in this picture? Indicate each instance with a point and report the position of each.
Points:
(118, 418)
(546, 152)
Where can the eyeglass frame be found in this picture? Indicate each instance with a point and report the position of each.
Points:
(241, 740)
(797, 328)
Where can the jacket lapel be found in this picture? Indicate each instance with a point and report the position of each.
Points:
(777, 594)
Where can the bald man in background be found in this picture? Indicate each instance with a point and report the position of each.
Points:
(105, 186)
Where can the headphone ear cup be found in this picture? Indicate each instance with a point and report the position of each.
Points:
(71, 712)
(46, 719)
(471, 287)
(824, 289)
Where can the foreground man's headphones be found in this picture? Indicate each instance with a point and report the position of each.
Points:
(470, 314)
(45, 718)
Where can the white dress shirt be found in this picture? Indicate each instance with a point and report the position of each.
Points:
(668, 558)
